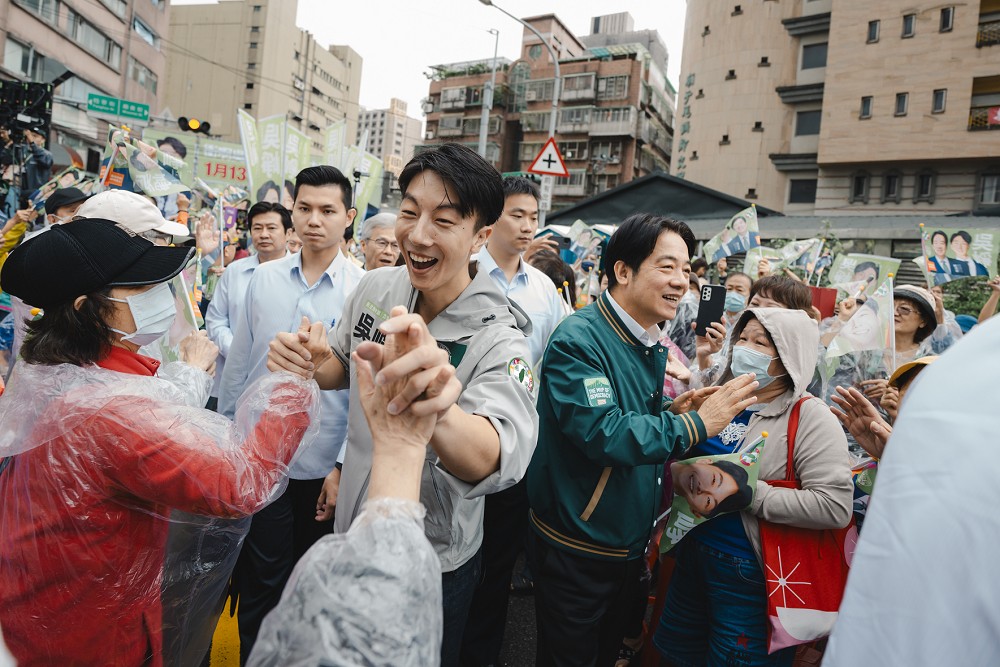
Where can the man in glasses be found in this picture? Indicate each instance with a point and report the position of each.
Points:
(378, 241)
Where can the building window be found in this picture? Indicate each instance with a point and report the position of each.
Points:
(802, 191)
(612, 87)
(725, 140)
(807, 123)
(751, 193)
(909, 25)
(892, 187)
(866, 107)
(570, 150)
(923, 186)
(145, 32)
(256, 9)
(248, 105)
(295, 56)
(731, 74)
(873, 29)
(989, 189)
(93, 40)
(541, 89)
(939, 100)
(737, 10)
(159, 4)
(254, 29)
(253, 45)
(814, 55)
(609, 151)
(947, 19)
(764, 62)
(118, 7)
(758, 126)
(251, 65)
(249, 86)
(47, 10)
(902, 102)
(860, 184)
(17, 57)
(142, 75)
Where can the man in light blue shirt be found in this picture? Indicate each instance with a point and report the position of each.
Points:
(270, 225)
(505, 520)
(314, 284)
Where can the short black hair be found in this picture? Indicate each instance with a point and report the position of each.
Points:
(635, 240)
(65, 335)
(519, 185)
(698, 264)
(744, 493)
(477, 185)
(868, 265)
(174, 143)
(963, 234)
(323, 175)
(262, 207)
(558, 271)
(738, 274)
(937, 233)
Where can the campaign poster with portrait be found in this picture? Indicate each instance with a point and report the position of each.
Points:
(706, 486)
(856, 267)
(740, 234)
(958, 253)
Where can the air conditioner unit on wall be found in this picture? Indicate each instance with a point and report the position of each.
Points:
(429, 134)
(531, 95)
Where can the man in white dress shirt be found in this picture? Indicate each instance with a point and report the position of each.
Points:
(313, 283)
(270, 225)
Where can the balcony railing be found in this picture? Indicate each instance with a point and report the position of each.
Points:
(617, 128)
(988, 34)
(569, 189)
(984, 118)
(449, 131)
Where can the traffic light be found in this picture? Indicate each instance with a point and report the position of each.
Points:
(193, 125)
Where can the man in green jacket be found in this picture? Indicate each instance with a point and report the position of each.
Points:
(605, 431)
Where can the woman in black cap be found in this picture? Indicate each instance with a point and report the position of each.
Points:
(99, 448)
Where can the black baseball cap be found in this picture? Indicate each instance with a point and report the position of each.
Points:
(64, 197)
(85, 256)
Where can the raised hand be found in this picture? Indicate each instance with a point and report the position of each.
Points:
(862, 420)
(730, 400)
(198, 351)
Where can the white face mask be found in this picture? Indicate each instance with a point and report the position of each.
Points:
(153, 311)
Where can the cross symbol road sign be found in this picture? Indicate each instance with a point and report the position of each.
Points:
(549, 162)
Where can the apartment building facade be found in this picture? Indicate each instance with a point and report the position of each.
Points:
(615, 111)
(115, 48)
(391, 134)
(843, 108)
(250, 55)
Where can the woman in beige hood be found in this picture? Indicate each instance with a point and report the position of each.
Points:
(716, 607)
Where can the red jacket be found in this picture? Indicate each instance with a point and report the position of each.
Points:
(83, 522)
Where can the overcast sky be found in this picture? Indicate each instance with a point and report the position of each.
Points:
(400, 39)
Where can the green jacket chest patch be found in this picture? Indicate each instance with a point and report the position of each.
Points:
(456, 352)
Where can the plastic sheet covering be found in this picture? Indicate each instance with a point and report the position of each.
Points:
(98, 565)
(371, 596)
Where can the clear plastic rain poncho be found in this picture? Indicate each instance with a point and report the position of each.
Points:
(371, 596)
(121, 513)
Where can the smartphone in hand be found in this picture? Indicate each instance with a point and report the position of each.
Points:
(711, 306)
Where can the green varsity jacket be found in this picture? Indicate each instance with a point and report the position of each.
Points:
(603, 437)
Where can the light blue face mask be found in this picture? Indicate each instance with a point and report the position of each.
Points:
(735, 302)
(746, 360)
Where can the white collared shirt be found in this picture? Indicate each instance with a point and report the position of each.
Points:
(534, 292)
(225, 307)
(277, 298)
(648, 337)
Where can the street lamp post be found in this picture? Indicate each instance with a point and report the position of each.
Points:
(555, 88)
(484, 119)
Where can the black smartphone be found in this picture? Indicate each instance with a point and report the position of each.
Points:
(564, 242)
(711, 306)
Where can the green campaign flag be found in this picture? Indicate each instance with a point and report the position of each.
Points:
(271, 135)
(870, 328)
(852, 267)
(251, 149)
(334, 140)
(297, 152)
(740, 234)
(956, 253)
(369, 189)
(734, 473)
